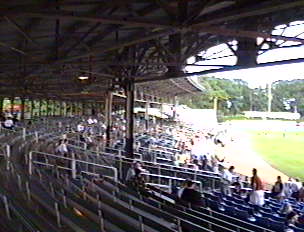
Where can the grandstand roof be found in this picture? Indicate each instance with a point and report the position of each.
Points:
(46, 45)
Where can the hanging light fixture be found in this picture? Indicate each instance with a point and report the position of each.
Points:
(83, 77)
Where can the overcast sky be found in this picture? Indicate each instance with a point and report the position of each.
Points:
(257, 77)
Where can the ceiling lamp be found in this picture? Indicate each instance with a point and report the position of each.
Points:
(82, 78)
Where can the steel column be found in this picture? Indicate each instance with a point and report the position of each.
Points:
(161, 112)
(12, 104)
(72, 109)
(83, 109)
(147, 114)
(129, 89)
(32, 108)
(54, 108)
(61, 108)
(1, 105)
(93, 110)
(108, 116)
(174, 107)
(65, 109)
(22, 108)
(40, 108)
(47, 108)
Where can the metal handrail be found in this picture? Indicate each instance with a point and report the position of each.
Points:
(198, 172)
(195, 173)
(130, 161)
(170, 179)
(71, 160)
(64, 157)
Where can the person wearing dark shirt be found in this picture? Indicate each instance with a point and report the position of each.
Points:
(190, 195)
(277, 189)
(237, 186)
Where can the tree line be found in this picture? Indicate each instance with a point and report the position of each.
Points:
(232, 97)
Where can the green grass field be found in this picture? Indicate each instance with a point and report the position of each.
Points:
(284, 153)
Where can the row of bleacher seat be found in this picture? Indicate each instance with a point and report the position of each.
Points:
(48, 200)
(85, 202)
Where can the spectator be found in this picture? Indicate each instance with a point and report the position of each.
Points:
(182, 188)
(134, 178)
(286, 208)
(296, 186)
(131, 172)
(195, 165)
(191, 195)
(237, 185)
(15, 119)
(80, 127)
(8, 123)
(277, 189)
(89, 141)
(187, 163)
(301, 193)
(246, 182)
(301, 219)
(226, 178)
(90, 121)
(62, 148)
(135, 171)
(214, 164)
(292, 218)
(288, 188)
(231, 170)
(257, 194)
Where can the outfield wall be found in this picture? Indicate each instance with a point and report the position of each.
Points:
(272, 115)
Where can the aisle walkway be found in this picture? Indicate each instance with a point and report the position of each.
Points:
(240, 154)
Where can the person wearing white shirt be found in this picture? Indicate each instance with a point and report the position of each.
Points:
(227, 175)
(90, 121)
(227, 178)
(62, 148)
(80, 128)
(8, 123)
(298, 184)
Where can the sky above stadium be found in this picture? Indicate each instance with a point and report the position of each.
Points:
(259, 77)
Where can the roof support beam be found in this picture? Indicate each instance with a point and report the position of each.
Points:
(13, 48)
(23, 32)
(243, 33)
(60, 14)
(245, 13)
(225, 69)
(136, 39)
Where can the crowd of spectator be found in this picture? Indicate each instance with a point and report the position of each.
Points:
(195, 150)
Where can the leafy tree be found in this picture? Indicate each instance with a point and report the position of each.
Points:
(228, 96)
(234, 96)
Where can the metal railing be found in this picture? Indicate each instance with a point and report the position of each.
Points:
(169, 179)
(211, 181)
(73, 165)
(69, 166)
